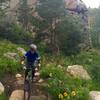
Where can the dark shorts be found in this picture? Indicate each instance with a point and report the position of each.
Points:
(29, 67)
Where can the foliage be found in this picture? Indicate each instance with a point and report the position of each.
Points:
(69, 35)
(50, 9)
(8, 65)
(95, 23)
(23, 13)
(63, 87)
(3, 97)
(15, 33)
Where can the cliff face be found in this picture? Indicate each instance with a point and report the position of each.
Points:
(13, 8)
(14, 3)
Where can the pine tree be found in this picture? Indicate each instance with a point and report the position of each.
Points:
(23, 13)
(51, 11)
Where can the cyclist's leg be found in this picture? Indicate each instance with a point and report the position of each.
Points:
(26, 73)
(33, 73)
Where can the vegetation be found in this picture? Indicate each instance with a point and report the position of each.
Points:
(58, 37)
(15, 33)
(69, 87)
(8, 65)
(94, 24)
(2, 97)
(58, 77)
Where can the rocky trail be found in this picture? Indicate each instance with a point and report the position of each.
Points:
(14, 85)
(14, 88)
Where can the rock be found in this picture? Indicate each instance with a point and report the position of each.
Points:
(18, 75)
(20, 82)
(10, 55)
(60, 66)
(41, 80)
(41, 97)
(17, 95)
(78, 71)
(37, 74)
(1, 88)
(95, 95)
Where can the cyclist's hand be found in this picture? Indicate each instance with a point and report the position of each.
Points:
(24, 68)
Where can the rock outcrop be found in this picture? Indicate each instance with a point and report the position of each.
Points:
(78, 71)
(1, 88)
(95, 95)
(10, 55)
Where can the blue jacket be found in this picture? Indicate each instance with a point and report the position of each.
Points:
(31, 57)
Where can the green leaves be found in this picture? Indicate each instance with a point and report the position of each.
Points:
(49, 9)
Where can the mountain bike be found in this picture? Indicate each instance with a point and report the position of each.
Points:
(28, 81)
(28, 85)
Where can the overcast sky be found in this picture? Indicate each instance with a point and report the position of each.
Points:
(92, 3)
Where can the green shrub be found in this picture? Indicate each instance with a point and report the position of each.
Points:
(3, 97)
(8, 65)
(95, 71)
(15, 33)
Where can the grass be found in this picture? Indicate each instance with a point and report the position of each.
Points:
(2, 97)
(8, 65)
(59, 82)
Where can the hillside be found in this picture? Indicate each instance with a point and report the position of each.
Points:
(53, 70)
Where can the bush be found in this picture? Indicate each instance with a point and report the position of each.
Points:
(8, 65)
(95, 71)
(69, 35)
(3, 97)
(15, 33)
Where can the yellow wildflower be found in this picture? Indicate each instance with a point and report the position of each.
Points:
(60, 96)
(73, 93)
(65, 94)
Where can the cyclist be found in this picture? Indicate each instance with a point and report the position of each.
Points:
(32, 59)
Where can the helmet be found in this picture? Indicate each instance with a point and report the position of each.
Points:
(33, 46)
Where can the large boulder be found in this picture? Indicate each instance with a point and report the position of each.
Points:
(10, 55)
(78, 71)
(95, 95)
(17, 95)
(1, 88)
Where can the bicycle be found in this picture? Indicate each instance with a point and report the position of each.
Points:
(28, 81)
(27, 86)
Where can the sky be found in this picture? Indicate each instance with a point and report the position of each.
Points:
(92, 3)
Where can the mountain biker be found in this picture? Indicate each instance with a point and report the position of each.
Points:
(31, 57)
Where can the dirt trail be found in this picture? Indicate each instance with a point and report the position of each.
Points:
(12, 84)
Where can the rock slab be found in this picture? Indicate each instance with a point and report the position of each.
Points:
(95, 95)
(17, 95)
(1, 88)
(10, 55)
(78, 71)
